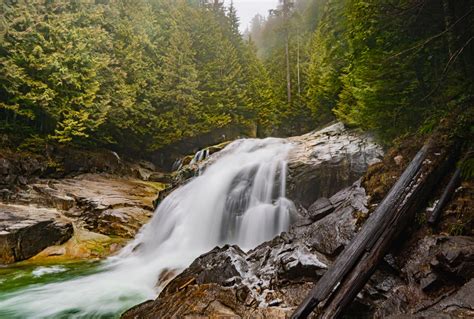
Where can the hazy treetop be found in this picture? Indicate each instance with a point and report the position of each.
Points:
(247, 9)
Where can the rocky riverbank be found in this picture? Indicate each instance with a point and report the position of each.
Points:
(428, 274)
(85, 204)
(86, 207)
(336, 177)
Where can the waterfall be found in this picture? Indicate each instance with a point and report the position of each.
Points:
(177, 164)
(200, 156)
(238, 199)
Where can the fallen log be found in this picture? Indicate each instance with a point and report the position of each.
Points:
(353, 268)
(448, 192)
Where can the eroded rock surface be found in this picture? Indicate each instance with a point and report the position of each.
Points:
(433, 280)
(27, 230)
(437, 282)
(103, 203)
(104, 209)
(266, 282)
(324, 162)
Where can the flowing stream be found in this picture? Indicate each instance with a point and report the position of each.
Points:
(238, 199)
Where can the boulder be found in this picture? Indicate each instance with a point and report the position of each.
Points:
(17, 169)
(330, 234)
(27, 230)
(326, 161)
(320, 209)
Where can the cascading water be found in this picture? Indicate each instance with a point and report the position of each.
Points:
(238, 199)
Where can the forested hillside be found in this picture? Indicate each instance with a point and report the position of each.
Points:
(383, 65)
(144, 74)
(130, 75)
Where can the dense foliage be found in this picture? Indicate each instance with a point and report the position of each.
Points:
(141, 75)
(392, 66)
(132, 75)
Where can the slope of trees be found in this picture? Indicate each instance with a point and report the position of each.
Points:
(141, 75)
(131, 75)
(392, 66)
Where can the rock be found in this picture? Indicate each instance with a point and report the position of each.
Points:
(320, 208)
(99, 202)
(398, 160)
(204, 301)
(266, 282)
(330, 234)
(5, 194)
(79, 161)
(82, 245)
(26, 230)
(434, 270)
(440, 259)
(324, 162)
(19, 169)
(456, 306)
(121, 221)
(160, 178)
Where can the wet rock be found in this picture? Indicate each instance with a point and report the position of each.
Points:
(82, 245)
(324, 162)
(102, 203)
(330, 234)
(204, 301)
(320, 209)
(269, 280)
(160, 178)
(434, 271)
(121, 221)
(26, 230)
(17, 169)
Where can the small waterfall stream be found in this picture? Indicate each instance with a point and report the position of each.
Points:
(238, 199)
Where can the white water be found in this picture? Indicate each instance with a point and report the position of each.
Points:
(239, 199)
(41, 271)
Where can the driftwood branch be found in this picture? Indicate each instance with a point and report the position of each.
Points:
(353, 268)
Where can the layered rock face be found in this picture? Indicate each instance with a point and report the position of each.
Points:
(27, 230)
(104, 203)
(324, 162)
(438, 281)
(103, 208)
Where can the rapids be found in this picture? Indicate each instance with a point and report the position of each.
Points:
(239, 198)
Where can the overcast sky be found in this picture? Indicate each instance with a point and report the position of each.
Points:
(247, 9)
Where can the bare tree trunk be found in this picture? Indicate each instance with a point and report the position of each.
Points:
(298, 63)
(288, 73)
